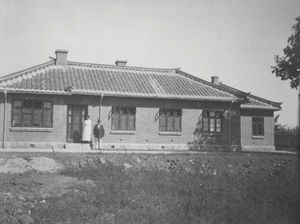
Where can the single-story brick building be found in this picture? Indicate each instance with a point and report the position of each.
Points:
(140, 108)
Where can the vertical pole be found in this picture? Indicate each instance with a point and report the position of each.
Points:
(299, 106)
(298, 145)
(100, 107)
(298, 130)
(4, 119)
(229, 125)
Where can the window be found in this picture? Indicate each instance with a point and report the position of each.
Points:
(212, 121)
(123, 118)
(31, 113)
(257, 126)
(170, 120)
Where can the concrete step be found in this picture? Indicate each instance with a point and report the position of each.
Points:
(77, 146)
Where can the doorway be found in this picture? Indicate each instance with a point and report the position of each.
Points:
(75, 118)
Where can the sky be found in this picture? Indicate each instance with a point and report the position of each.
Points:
(233, 39)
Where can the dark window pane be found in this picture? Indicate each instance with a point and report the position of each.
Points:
(123, 122)
(115, 121)
(115, 109)
(177, 124)
(170, 123)
(218, 115)
(32, 113)
(47, 117)
(260, 129)
(47, 105)
(170, 120)
(17, 103)
(218, 125)
(132, 111)
(212, 121)
(37, 117)
(17, 110)
(258, 126)
(27, 110)
(37, 104)
(27, 120)
(131, 123)
(123, 110)
(179, 113)
(123, 118)
(27, 104)
(205, 124)
(69, 133)
(16, 121)
(47, 121)
(162, 123)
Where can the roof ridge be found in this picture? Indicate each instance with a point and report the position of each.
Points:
(20, 72)
(122, 67)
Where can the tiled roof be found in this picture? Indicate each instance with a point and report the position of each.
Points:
(255, 102)
(96, 79)
(112, 80)
(258, 104)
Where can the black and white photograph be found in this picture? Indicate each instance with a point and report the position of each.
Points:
(149, 111)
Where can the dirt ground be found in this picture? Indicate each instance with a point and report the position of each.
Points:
(115, 188)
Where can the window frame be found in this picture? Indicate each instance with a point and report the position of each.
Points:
(172, 111)
(119, 118)
(214, 118)
(255, 125)
(31, 113)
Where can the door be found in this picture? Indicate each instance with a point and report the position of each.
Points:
(75, 117)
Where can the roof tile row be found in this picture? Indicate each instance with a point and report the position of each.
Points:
(93, 79)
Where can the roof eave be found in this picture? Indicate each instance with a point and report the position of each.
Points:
(260, 108)
(98, 93)
(273, 103)
(277, 105)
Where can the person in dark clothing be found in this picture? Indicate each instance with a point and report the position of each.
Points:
(98, 132)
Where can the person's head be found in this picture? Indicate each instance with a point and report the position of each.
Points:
(98, 121)
(88, 117)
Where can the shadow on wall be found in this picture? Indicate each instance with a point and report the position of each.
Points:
(225, 141)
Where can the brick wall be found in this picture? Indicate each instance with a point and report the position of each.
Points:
(147, 127)
(59, 130)
(147, 124)
(55, 134)
(246, 128)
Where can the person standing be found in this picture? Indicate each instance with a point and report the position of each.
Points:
(87, 129)
(98, 133)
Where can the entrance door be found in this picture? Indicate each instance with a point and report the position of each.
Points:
(75, 117)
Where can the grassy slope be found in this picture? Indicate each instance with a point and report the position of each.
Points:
(207, 188)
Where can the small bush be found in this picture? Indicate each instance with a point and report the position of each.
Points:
(286, 138)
